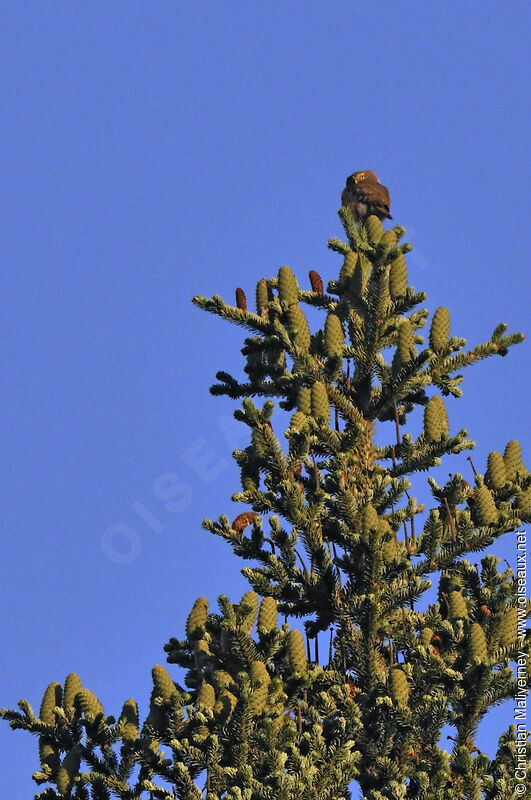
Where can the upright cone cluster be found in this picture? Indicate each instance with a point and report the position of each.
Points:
(262, 298)
(496, 475)
(486, 512)
(333, 335)
(406, 350)
(195, 624)
(320, 407)
(374, 228)
(399, 686)
(512, 458)
(267, 616)
(398, 277)
(508, 627)
(129, 720)
(478, 643)
(436, 426)
(440, 329)
(457, 607)
(296, 652)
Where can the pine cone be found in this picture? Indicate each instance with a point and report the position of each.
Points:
(243, 520)
(296, 651)
(52, 697)
(288, 290)
(195, 624)
(440, 329)
(267, 616)
(316, 282)
(241, 300)
(320, 404)
(333, 335)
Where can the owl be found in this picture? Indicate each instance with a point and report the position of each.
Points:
(364, 195)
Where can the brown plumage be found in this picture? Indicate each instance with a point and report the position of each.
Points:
(364, 195)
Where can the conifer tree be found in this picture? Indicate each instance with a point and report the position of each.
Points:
(337, 543)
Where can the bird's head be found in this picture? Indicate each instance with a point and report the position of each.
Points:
(365, 175)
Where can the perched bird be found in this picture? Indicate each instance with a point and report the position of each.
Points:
(364, 195)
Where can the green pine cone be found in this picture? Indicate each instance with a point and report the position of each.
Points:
(440, 329)
(485, 511)
(523, 501)
(69, 770)
(478, 643)
(389, 551)
(349, 265)
(246, 620)
(259, 695)
(296, 651)
(512, 458)
(259, 672)
(267, 616)
(388, 240)
(288, 290)
(374, 229)
(398, 277)
(457, 606)
(48, 753)
(129, 719)
(333, 335)
(495, 476)
(304, 400)
(298, 421)
(298, 326)
(73, 686)
(369, 520)
(405, 348)
(195, 624)
(426, 635)
(320, 404)
(87, 702)
(52, 697)
(399, 686)
(206, 696)
(162, 682)
(508, 627)
(436, 425)
(262, 297)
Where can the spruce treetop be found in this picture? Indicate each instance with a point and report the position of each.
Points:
(337, 540)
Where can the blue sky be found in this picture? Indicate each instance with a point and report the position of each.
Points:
(157, 150)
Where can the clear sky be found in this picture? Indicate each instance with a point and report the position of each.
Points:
(152, 151)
